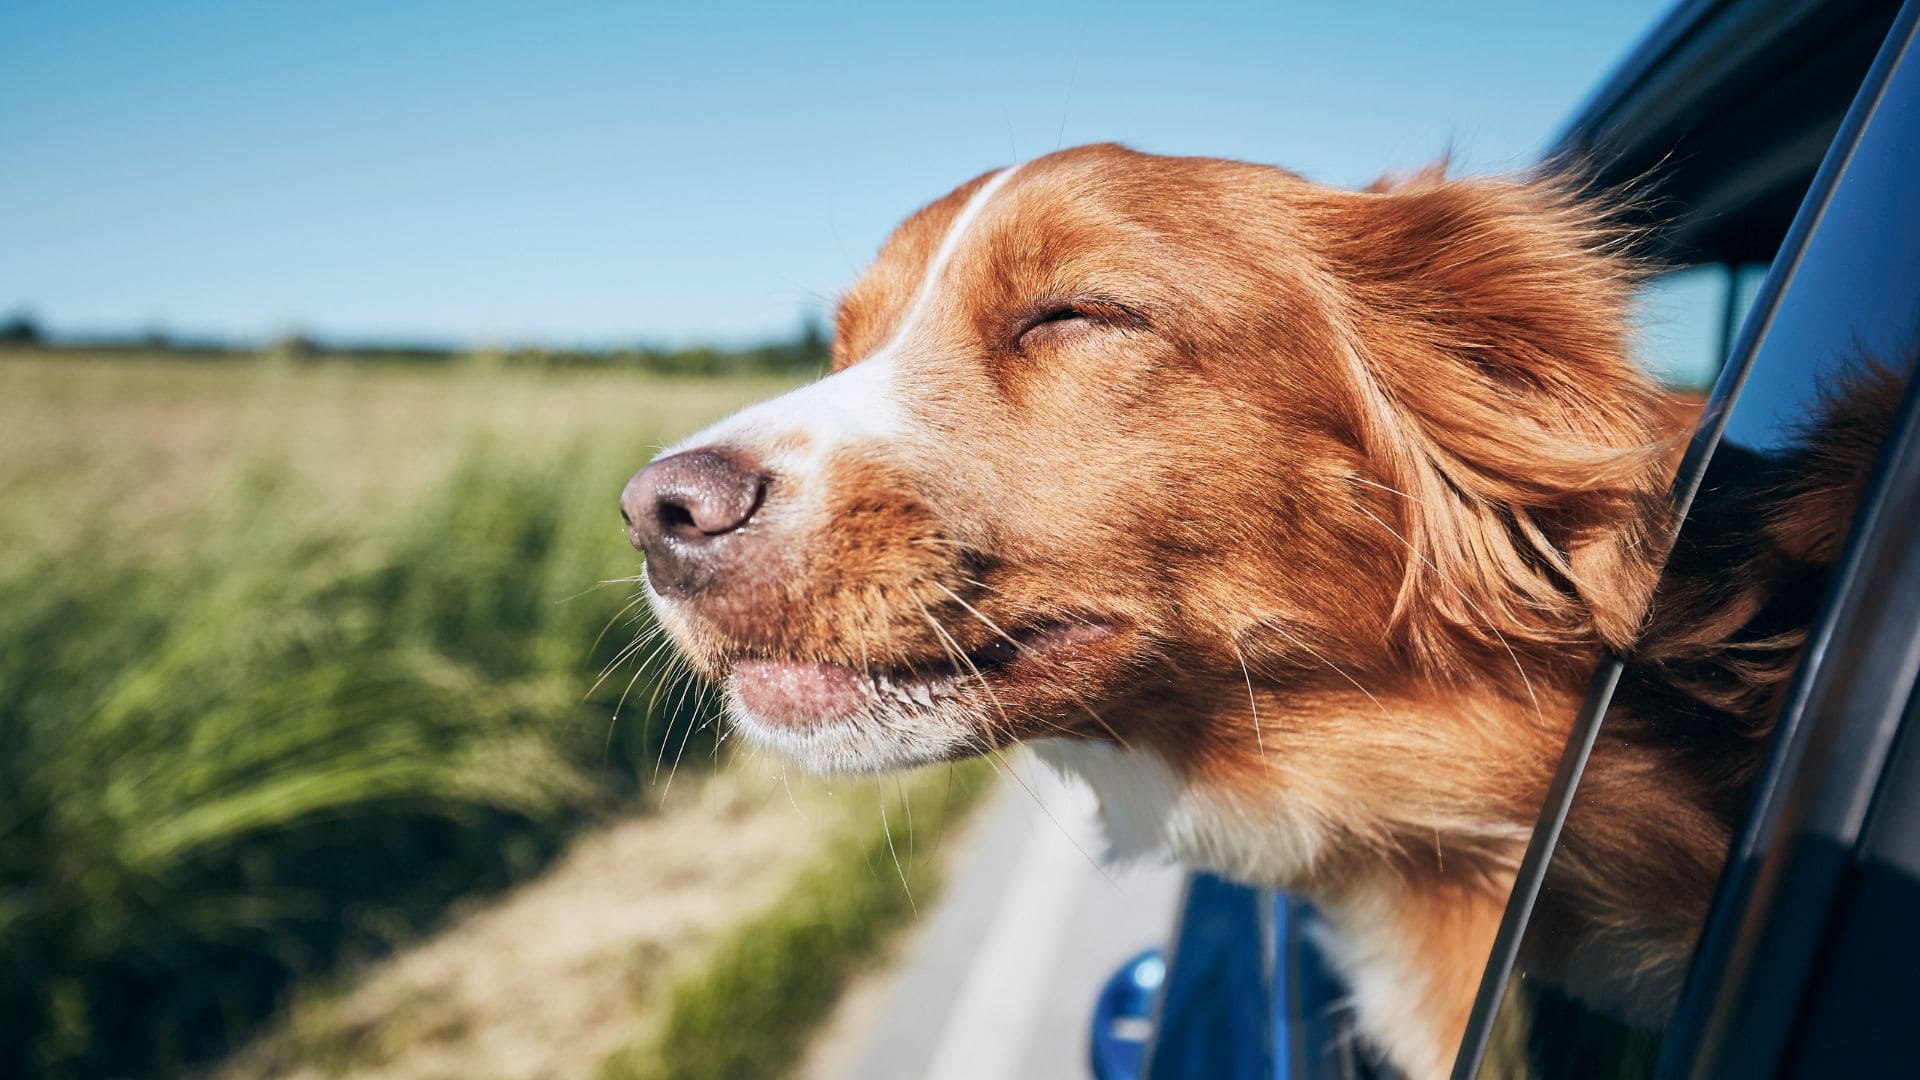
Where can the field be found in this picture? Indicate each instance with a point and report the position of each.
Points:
(292, 655)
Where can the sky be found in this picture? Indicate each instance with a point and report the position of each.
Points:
(590, 174)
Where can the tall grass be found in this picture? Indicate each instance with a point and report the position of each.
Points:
(296, 725)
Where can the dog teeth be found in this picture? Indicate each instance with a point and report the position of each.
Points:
(907, 691)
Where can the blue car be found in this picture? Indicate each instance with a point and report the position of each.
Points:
(1783, 139)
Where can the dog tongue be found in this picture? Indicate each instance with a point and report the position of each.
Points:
(798, 693)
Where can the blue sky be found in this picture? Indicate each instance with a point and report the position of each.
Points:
(598, 173)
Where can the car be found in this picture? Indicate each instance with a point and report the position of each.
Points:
(1780, 142)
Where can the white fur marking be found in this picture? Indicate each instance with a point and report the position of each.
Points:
(962, 222)
(1149, 810)
(848, 406)
(854, 404)
(1392, 996)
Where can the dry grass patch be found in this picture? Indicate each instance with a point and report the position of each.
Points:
(748, 1009)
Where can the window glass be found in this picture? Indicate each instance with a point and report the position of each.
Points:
(1604, 954)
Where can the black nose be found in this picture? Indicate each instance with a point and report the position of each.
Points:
(679, 510)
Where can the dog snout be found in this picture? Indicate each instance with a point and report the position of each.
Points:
(681, 511)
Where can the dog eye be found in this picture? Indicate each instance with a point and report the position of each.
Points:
(1059, 314)
(1053, 321)
(1058, 321)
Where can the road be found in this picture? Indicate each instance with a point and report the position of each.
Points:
(1001, 979)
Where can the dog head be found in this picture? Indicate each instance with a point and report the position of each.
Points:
(1126, 448)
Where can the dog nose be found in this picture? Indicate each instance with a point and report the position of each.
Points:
(678, 509)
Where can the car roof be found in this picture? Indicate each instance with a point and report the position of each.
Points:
(1722, 114)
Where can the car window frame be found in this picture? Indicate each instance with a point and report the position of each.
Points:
(1498, 974)
(1833, 739)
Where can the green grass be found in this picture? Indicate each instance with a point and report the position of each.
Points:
(291, 657)
(745, 1014)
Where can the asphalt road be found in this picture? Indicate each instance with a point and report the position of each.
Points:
(1001, 980)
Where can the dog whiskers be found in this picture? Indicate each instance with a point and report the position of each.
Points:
(1024, 648)
(1259, 740)
(1337, 669)
(958, 655)
(887, 829)
(1391, 490)
(626, 652)
(789, 790)
(1002, 765)
(638, 598)
(676, 706)
(906, 804)
(1538, 713)
(613, 719)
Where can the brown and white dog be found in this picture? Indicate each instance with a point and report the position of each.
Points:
(1292, 519)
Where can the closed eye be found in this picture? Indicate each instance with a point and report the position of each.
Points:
(1059, 314)
(1056, 320)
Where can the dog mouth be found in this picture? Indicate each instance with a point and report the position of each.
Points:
(799, 693)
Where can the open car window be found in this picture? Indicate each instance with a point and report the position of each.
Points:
(1824, 361)
(1688, 317)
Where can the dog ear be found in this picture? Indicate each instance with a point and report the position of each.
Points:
(1489, 327)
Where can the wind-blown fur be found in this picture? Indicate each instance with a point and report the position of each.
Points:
(1294, 520)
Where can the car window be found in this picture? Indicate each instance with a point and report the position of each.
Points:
(1687, 318)
(1831, 363)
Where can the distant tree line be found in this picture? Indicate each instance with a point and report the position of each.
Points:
(19, 330)
(806, 351)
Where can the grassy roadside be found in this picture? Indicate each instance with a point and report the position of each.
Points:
(748, 1009)
(291, 658)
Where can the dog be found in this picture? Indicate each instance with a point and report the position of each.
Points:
(1292, 519)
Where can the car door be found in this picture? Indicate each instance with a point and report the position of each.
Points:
(1840, 308)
